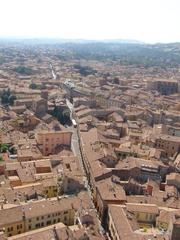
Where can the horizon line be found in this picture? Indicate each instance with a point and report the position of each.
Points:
(84, 39)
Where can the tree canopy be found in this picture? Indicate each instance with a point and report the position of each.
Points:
(63, 115)
(7, 98)
(23, 70)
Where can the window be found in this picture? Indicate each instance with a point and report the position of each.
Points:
(66, 212)
(37, 225)
(37, 218)
(59, 220)
(42, 224)
(29, 227)
(29, 220)
(49, 216)
(42, 217)
(19, 226)
(54, 221)
(19, 232)
(48, 222)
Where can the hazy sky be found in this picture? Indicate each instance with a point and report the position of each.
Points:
(145, 20)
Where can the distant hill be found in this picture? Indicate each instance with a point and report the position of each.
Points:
(100, 41)
(126, 52)
(147, 55)
(59, 40)
(122, 41)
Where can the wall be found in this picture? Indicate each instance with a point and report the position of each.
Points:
(48, 141)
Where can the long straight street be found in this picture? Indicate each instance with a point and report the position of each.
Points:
(76, 150)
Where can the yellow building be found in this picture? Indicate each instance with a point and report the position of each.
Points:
(50, 187)
(33, 215)
(145, 213)
(11, 219)
(46, 212)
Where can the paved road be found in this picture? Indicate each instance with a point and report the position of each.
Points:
(76, 150)
(52, 71)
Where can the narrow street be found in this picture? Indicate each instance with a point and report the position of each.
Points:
(52, 71)
(76, 150)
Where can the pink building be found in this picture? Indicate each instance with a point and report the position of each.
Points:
(49, 141)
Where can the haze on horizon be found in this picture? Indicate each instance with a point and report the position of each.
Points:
(149, 21)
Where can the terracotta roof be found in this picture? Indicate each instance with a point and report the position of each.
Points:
(110, 191)
(121, 223)
(145, 208)
(10, 215)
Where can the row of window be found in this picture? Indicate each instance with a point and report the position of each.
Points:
(49, 222)
(53, 215)
(161, 145)
(54, 191)
(52, 139)
(148, 216)
(10, 229)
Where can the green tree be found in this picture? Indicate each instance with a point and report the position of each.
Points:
(3, 148)
(66, 116)
(11, 99)
(33, 86)
(63, 115)
(7, 97)
(23, 70)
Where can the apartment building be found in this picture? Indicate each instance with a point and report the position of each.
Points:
(11, 219)
(136, 222)
(144, 213)
(119, 229)
(170, 144)
(43, 213)
(16, 219)
(164, 86)
(106, 193)
(49, 141)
